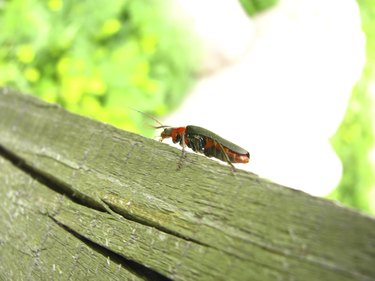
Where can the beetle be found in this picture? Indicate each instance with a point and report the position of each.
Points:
(202, 141)
(205, 142)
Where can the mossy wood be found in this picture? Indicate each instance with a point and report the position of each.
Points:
(80, 199)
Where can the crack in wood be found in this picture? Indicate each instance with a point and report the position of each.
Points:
(50, 181)
(79, 198)
(134, 267)
(127, 215)
(67, 191)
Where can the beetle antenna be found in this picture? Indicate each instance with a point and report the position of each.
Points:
(151, 117)
(161, 127)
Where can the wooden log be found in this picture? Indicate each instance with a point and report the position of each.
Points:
(81, 199)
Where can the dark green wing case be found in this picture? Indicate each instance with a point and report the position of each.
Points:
(190, 129)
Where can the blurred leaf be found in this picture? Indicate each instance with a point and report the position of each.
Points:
(97, 58)
(25, 53)
(32, 74)
(253, 7)
(354, 140)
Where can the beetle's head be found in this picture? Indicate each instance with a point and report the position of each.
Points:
(175, 133)
(166, 133)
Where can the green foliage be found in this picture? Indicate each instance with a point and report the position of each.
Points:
(355, 139)
(97, 58)
(253, 7)
(353, 143)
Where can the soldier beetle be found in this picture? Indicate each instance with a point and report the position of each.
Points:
(203, 141)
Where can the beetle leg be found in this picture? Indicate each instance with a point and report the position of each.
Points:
(226, 156)
(183, 153)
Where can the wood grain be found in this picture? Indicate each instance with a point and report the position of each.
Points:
(80, 198)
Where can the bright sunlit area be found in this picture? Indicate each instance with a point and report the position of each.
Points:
(291, 81)
(282, 87)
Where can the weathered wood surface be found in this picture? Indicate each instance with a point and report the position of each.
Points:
(83, 200)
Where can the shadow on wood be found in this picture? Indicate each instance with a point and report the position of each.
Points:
(82, 199)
